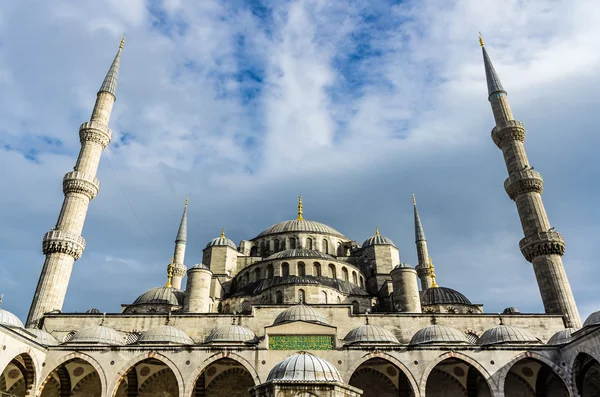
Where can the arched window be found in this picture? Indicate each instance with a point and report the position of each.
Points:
(339, 249)
(262, 248)
(292, 243)
(309, 243)
(301, 269)
(279, 297)
(246, 307)
(344, 274)
(332, 272)
(301, 296)
(362, 282)
(257, 274)
(254, 251)
(285, 269)
(354, 278)
(245, 279)
(276, 248)
(355, 307)
(325, 246)
(324, 294)
(270, 270)
(317, 269)
(267, 247)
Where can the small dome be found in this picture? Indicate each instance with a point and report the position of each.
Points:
(221, 241)
(438, 334)
(299, 253)
(369, 333)
(9, 319)
(93, 310)
(97, 334)
(231, 333)
(300, 313)
(161, 295)
(377, 240)
(199, 266)
(593, 319)
(165, 334)
(506, 334)
(301, 225)
(403, 266)
(443, 296)
(511, 310)
(562, 337)
(304, 367)
(43, 337)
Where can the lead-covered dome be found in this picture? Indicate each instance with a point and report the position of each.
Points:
(221, 241)
(369, 333)
(300, 225)
(438, 334)
(231, 334)
(593, 319)
(165, 334)
(300, 313)
(506, 334)
(9, 319)
(43, 338)
(377, 239)
(562, 337)
(97, 334)
(443, 296)
(199, 266)
(304, 367)
(299, 253)
(161, 295)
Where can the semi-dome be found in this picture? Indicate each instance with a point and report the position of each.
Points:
(9, 319)
(304, 367)
(299, 253)
(438, 334)
(593, 319)
(300, 225)
(562, 337)
(221, 241)
(161, 295)
(506, 334)
(165, 334)
(42, 337)
(97, 334)
(231, 334)
(300, 313)
(443, 296)
(369, 333)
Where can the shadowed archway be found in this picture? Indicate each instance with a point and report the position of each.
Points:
(18, 378)
(148, 378)
(378, 377)
(529, 377)
(73, 378)
(224, 378)
(457, 378)
(586, 373)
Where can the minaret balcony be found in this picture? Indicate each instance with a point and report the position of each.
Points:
(79, 182)
(94, 131)
(525, 181)
(60, 241)
(543, 243)
(512, 130)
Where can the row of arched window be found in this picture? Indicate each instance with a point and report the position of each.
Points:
(266, 248)
(278, 298)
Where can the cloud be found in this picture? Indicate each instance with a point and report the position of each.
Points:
(244, 106)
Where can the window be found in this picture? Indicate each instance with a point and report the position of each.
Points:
(355, 307)
(324, 294)
(332, 272)
(246, 307)
(276, 248)
(472, 337)
(301, 296)
(354, 278)
(267, 246)
(262, 248)
(279, 297)
(301, 269)
(309, 243)
(325, 246)
(345, 274)
(292, 243)
(317, 269)
(257, 274)
(339, 249)
(285, 269)
(362, 282)
(254, 251)
(270, 271)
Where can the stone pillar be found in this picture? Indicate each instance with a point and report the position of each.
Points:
(406, 289)
(197, 291)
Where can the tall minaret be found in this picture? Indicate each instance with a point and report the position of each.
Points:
(422, 253)
(179, 268)
(63, 244)
(542, 245)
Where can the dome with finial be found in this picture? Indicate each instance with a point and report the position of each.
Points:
(370, 333)
(300, 312)
(98, 334)
(304, 367)
(161, 295)
(377, 239)
(221, 241)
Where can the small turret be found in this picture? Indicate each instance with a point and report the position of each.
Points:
(197, 291)
(406, 296)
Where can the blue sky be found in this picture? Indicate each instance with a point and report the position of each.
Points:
(245, 105)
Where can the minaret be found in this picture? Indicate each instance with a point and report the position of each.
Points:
(179, 268)
(63, 244)
(542, 245)
(422, 253)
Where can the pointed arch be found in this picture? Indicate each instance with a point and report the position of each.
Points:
(25, 369)
(547, 370)
(60, 362)
(193, 378)
(385, 356)
(585, 369)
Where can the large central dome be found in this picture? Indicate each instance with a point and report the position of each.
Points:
(300, 225)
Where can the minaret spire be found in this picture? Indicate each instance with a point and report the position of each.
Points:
(179, 268)
(422, 252)
(542, 245)
(63, 244)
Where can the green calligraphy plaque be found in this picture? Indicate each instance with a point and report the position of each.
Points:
(300, 342)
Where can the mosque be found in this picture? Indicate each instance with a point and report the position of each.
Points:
(300, 309)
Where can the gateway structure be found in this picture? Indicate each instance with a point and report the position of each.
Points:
(301, 309)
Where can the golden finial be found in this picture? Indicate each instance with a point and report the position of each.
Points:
(432, 274)
(187, 200)
(300, 218)
(223, 233)
(122, 43)
(480, 40)
(170, 274)
(377, 231)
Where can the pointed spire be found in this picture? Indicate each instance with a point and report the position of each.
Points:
(110, 81)
(300, 212)
(493, 81)
(182, 232)
(419, 233)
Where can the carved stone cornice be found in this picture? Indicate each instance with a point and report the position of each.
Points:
(79, 182)
(545, 243)
(525, 181)
(179, 269)
(513, 130)
(63, 242)
(94, 131)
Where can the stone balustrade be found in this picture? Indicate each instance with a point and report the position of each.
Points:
(94, 131)
(512, 130)
(79, 182)
(63, 242)
(544, 243)
(524, 181)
